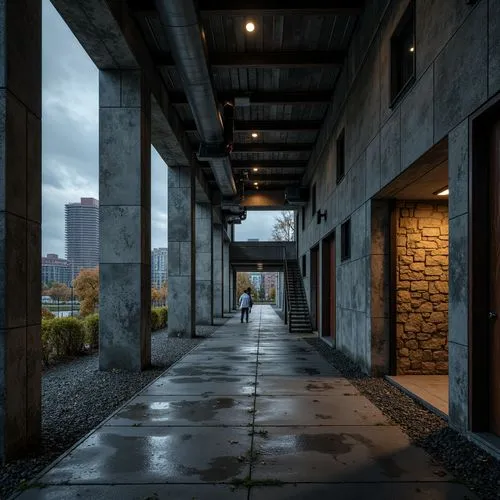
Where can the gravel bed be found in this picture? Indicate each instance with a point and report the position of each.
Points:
(76, 397)
(470, 465)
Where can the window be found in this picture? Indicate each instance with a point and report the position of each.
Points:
(345, 240)
(303, 218)
(304, 263)
(340, 156)
(403, 54)
(313, 199)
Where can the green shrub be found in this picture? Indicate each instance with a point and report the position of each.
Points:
(46, 314)
(68, 336)
(91, 327)
(155, 319)
(47, 344)
(164, 316)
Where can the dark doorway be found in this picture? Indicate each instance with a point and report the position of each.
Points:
(484, 401)
(315, 287)
(328, 276)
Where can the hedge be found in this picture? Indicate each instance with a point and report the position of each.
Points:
(68, 336)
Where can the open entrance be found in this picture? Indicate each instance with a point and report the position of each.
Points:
(328, 279)
(485, 272)
(315, 287)
(419, 279)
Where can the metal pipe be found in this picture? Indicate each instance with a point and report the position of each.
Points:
(185, 36)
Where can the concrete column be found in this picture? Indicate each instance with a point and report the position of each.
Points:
(204, 301)
(217, 270)
(234, 297)
(125, 221)
(20, 218)
(181, 252)
(226, 276)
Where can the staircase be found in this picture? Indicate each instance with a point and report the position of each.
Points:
(298, 313)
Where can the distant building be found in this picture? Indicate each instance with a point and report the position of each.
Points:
(253, 239)
(159, 267)
(82, 234)
(55, 270)
(256, 280)
(269, 281)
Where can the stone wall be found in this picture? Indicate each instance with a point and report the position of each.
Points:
(422, 288)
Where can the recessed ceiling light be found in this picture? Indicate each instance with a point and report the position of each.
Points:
(442, 192)
(255, 135)
(255, 183)
(255, 169)
(250, 27)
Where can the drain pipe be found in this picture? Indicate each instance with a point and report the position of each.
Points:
(180, 22)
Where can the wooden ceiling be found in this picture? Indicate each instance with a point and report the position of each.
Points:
(288, 68)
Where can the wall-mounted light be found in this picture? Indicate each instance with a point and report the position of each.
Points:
(255, 169)
(250, 26)
(255, 183)
(255, 135)
(412, 49)
(320, 215)
(442, 192)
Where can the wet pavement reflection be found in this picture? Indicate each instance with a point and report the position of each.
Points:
(252, 412)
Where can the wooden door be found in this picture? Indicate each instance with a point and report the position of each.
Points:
(495, 280)
(314, 288)
(332, 297)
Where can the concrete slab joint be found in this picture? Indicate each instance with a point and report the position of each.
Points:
(125, 220)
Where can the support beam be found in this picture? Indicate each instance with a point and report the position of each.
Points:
(260, 147)
(226, 272)
(125, 220)
(204, 277)
(217, 242)
(268, 126)
(267, 164)
(20, 228)
(181, 252)
(259, 98)
(280, 8)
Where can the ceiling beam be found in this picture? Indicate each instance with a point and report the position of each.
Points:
(254, 147)
(262, 7)
(279, 7)
(268, 125)
(267, 164)
(259, 98)
(258, 177)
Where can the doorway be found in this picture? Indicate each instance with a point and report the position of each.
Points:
(328, 274)
(315, 287)
(485, 267)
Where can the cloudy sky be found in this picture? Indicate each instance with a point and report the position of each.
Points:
(70, 141)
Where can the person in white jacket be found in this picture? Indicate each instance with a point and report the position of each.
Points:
(244, 305)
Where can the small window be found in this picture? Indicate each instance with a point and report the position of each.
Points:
(304, 272)
(345, 240)
(313, 199)
(403, 54)
(340, 156)
(303, 218)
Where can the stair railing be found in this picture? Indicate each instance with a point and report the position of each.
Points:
(287, 295)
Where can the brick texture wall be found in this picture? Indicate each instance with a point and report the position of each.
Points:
(422, 289)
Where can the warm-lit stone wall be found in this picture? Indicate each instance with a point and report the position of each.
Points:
(422, 289)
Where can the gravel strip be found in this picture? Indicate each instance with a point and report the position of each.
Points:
(76, 397)
(470, 465)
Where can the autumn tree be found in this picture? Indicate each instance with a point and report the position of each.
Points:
(272, 294)
(59, 292)
(155, 296)
(284, 226)
(163, 293)
(86, 286)
(242, 283)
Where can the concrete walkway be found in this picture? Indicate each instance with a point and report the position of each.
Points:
(251, 413)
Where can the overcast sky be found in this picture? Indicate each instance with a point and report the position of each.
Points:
(70, 141)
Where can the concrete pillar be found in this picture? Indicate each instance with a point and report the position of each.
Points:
(217, 242)
(204, 301)
(234, 297)
(226, 276)
(125, 221)
(20, 218)
(181, 252)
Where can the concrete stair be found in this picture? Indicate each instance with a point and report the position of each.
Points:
(298, 314)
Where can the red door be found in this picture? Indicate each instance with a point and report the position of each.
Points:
(495, 282)
(314, 287)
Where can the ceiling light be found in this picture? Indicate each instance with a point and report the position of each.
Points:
(255, 169)
(442, 192)
(412, 49)
(255, 135)
(250, 27)
(255, 183)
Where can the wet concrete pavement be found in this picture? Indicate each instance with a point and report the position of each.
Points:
(251, 413)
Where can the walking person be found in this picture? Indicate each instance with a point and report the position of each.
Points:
(249, 291)
(244, 305)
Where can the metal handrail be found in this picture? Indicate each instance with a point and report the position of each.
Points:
(287, 296)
